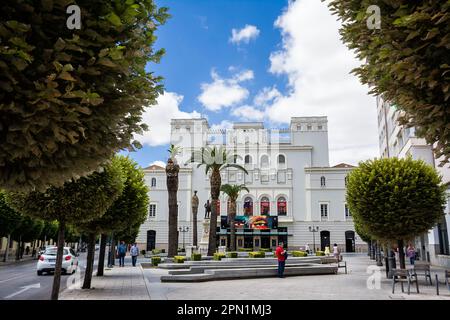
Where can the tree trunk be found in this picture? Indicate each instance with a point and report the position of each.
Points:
(194, 226)
(8, 241)
(401, 254)
(232, 226)
(89, 262)
(58, 264)
(216, 182)
(18, 248)
(113, 250)
(372, 250)
(22, 249)
(101, 255)
(172, 170)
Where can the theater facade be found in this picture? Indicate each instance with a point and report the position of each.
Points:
(294, 196)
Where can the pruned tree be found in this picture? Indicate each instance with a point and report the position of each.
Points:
(406, 60)
(76, 202)
(71, 98)
(172, 170)
(395, 199)
(10, 220)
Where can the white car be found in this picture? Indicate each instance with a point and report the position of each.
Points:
(47, 260)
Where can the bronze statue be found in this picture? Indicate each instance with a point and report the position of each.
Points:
(207, 209)
(194, 203)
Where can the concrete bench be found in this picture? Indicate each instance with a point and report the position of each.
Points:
(201, 269)
(247, 273)
(403, 275)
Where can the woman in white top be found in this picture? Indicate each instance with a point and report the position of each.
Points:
(336, 251)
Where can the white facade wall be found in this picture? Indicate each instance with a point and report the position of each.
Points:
(305, 148)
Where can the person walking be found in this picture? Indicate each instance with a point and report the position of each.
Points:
(307, 248)
(281, 254)
(336, 251)
(134, 251)
(122, 250)
(411, 253)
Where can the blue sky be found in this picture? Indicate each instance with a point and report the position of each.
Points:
(285, 60)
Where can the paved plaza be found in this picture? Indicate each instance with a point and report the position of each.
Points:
(130, 283)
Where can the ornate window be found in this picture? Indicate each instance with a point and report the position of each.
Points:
(281, 206)
(248, 206)
(264, 161)
(265, 206)
(248, 159)
(281, 160)
(153, 183)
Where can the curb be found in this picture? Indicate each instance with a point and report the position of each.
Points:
(147, 283)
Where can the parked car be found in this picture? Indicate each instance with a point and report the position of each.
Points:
(42, 250)
(46, 262)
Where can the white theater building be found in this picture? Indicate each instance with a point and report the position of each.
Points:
(289, 178)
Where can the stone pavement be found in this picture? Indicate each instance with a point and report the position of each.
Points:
(135, 283)
(126, 283)
(352, 286)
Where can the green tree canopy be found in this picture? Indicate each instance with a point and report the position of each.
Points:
(69, 98)
(9, 218)
(395, 199)
(78, 200)
(406, 61)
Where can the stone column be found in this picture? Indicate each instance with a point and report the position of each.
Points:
(194, 203)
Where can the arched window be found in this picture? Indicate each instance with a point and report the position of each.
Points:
(264, 161)
(281, 160)
(248, 206)
(281, 206)
(248, 159)
(153, 183)
(346, 181)
(322, 181)
(265, 206)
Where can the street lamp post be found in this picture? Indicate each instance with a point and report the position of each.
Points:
(314, 229)
(183, 230)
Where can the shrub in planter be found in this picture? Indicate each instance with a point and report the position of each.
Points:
(143, 252)
(266, 250)
(218, 256)
(156, 260)
(257, 254)
(179, 259)
(156, 251)
(245, 250)
(320, 253)
(232, 255)
(299, 254)
(196, 257)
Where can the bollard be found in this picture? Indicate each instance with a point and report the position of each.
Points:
(437, 284)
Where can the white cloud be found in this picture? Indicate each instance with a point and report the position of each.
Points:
(158, 119)
(248, 113)
(224, 92)
(224, 124)
(158, 163)
(245, 34)
(266, 95)
(317, 65)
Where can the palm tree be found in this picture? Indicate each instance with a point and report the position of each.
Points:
(215, 159)
(172, 169)
(232, 191)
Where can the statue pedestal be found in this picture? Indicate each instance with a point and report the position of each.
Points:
(190, 250)
(203, 245)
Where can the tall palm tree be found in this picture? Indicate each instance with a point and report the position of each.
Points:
(172, 169)
(232, 191)
(215, 159)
